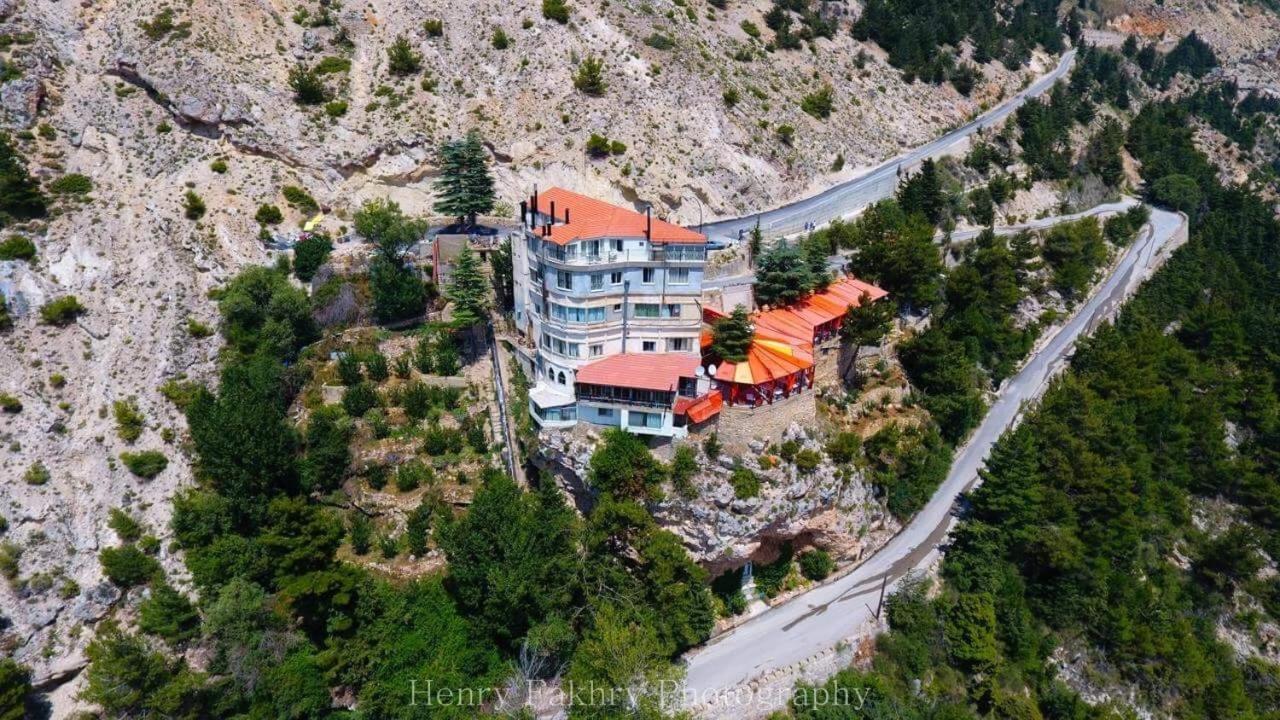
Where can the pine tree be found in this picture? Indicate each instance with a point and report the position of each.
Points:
(731, 336)
(501, 265)
(782, 275)
(865, 324)
(20, 196)
(465, 186)
(468, 290)
(922, 193)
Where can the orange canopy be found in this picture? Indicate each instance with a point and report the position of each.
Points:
(802, 320)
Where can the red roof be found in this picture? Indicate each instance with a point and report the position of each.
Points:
(800, 320)
(644, 371)
(593, 219)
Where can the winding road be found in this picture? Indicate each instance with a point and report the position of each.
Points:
(814, 622)
(880, 183)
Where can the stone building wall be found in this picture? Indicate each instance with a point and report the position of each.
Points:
(740, 424)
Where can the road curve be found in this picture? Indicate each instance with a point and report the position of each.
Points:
(817, 620)
(879, 183)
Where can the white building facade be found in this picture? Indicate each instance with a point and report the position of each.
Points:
(594, 281)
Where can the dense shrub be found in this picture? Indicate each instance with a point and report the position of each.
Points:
(128, 566)
(17, 247)
(816, 564)
(62, 311)
(146, 464)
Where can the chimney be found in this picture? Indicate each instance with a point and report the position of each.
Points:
(553, 212)
(524, 213)
(648, 222)
(536, 209)
(566, 216)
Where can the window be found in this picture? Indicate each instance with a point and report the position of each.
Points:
(646, 276)
(615, 278)
(673, 310)
(679, 345)
(595, 350)
(617, 307)
(649, 346)
(646, 310)
(644, 419)
(615, 245)
(678, 276)
(564, 280)
(604, 412)
(593, 249)
(562, 382)
(595, 314)
(597, 282)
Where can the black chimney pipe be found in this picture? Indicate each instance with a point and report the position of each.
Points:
(524, 213)
(553, 212)
(566, 216)
(648, 223)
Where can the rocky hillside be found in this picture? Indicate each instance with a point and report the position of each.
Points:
(151, 100)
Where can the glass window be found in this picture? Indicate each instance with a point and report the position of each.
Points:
(673, 310)
(679, 345)
(597, 282)
(649, 346)
(615, 278)
(678, 276)
(595, 350)
(646, 276)
(595, 314)
(646, 310)
(564, 280)
(616, 245)
(644, 419)
(605, 412)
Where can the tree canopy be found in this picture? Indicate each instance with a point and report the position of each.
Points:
(465, 186)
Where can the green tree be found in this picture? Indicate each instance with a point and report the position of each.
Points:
(261, 311)
(398, 293)
(501, 268)
(922, 194)
(20, 196)
(623, 466)
(125, 678)
(308, 88)
(127, 566)
(167, 613)
(782, 275)
(589, 77)
(309, 254)
(401, 58)
(896, 251)
(1180, 192)
(15, 686)
(465, 185)
(865, 324)
(468, 290)
(731, 336)
(327, 448)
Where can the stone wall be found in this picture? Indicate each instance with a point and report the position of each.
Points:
(739, 424)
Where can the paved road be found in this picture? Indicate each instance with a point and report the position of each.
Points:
(836, 263)
(815, 621)
(880, 183)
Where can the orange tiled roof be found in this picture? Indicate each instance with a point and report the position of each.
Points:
(767, 360)
(644, 371)
(799, 320)
(590, 219)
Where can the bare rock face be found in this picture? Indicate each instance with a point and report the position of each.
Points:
(20, 101)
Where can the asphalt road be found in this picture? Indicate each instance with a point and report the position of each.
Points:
(880, 183)
(817, 620)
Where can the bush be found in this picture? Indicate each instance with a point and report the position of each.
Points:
(129, 420)
(597, 146)
(17, 247)
(197, 329)
(37, 474)
(72, 184)
(167, 613)
(589, 78)
(349, 370)
(299, 198)
(62, 311)
(268, 215)
(433, 27)
(658, 41)
(308, 88)
(146, 464)
(746, 484)
(10, 554)
(808, 460)
(335, 108)
(219, 166)
(771, 578)
(125, 527)
(401, 59)
(10, 404)
(127, 566)
(711, 446)
(413, 475)
(361, 532)
(683, 466)
(193, 206)
(818, 104)
(786, 134)
(731, 97)
(15, 686)
(500, 40)
(844, 447)
(557, 10)
(816, 564)
(333, 64)
(309, 254)
(359, 399)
